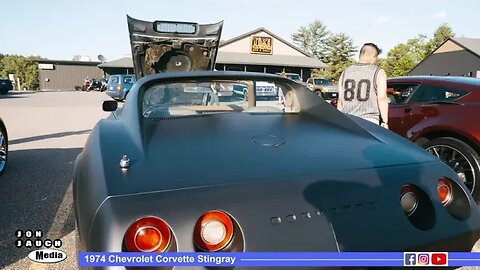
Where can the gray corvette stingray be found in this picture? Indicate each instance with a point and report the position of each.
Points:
(188, 165)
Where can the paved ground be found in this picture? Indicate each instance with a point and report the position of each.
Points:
(47, 131)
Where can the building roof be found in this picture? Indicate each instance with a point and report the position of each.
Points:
(471, 44)
(240, 59)
(261, 29)
(452, 79)
(268, 60)
(124, 62)
(68, 62)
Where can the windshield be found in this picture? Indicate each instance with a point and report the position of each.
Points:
(193, 98)
(322, 82)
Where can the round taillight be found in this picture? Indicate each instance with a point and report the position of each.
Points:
(148, 234)
(213, 231)
(444, 191)
(408, 199)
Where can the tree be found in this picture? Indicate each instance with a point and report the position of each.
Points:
(442, 33)
(399, 61)
(24, 68)
(339, 55)
(405, 56)
(312, 38)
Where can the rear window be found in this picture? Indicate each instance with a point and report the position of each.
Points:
(211, 97)
(432, 93)
(128, 80)
(400, 93)
(294, 77)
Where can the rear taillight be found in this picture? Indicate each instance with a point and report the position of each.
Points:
(148, 234)
(119, 87)
(409, 199)
(213, 231)
(444, 191)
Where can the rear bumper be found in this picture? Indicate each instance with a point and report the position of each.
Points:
(461, 243)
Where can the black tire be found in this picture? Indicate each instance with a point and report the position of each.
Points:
(245, 95)
(3, 131)
(318, 93)
(469, 154)
(3, 91)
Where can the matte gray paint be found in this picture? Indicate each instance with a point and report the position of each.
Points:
(346, 172)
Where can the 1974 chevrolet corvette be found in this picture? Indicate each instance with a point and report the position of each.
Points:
(173, 171)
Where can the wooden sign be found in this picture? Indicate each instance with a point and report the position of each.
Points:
(261, 45)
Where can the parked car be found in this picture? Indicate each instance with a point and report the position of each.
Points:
(245, 189)
(323, 87)
(5, 86)
(263, 89)
(119, 85)
(3, 146)
(441, 115)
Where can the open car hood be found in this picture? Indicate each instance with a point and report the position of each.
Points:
(162, 46)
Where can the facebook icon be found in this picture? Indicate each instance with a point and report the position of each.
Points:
(410, 259)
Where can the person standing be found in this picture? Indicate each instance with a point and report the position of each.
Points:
(362, 88)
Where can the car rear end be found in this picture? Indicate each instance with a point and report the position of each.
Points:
(301, 215)
(265, 89)
(5, 86)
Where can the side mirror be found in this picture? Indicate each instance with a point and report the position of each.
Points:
(110, 106)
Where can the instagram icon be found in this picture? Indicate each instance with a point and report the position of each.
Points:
(423, 259)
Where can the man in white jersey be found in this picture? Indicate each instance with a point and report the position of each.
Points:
(362, 88)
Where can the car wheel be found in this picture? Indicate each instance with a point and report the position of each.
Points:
(3, 148)
(462, 158)
(245, 95)
(3, 91)
(318, 93)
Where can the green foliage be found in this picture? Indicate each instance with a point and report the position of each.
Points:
(442, 33)
(405, 56)
(335, 50)
(25, 68)
(340, 51)
(312, 38)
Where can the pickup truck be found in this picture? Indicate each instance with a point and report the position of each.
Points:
(323, 87)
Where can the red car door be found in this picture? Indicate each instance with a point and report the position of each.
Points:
(400, 110)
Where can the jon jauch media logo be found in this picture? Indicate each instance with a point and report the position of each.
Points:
(425, 259)
(47, 250)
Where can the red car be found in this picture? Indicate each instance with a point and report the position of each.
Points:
(441, 114)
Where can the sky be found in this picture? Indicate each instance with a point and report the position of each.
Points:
(60, 29)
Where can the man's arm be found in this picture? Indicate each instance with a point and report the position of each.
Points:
(340, 92)
(382, 97)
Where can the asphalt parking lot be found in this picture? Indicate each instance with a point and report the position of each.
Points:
(47, 130)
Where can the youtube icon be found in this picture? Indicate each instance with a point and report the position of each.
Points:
(439, 259)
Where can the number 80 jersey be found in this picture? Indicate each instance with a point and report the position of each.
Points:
(358, 91)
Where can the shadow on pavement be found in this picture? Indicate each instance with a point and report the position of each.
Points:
(35, 195)
(12, 96)
(49, 136)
